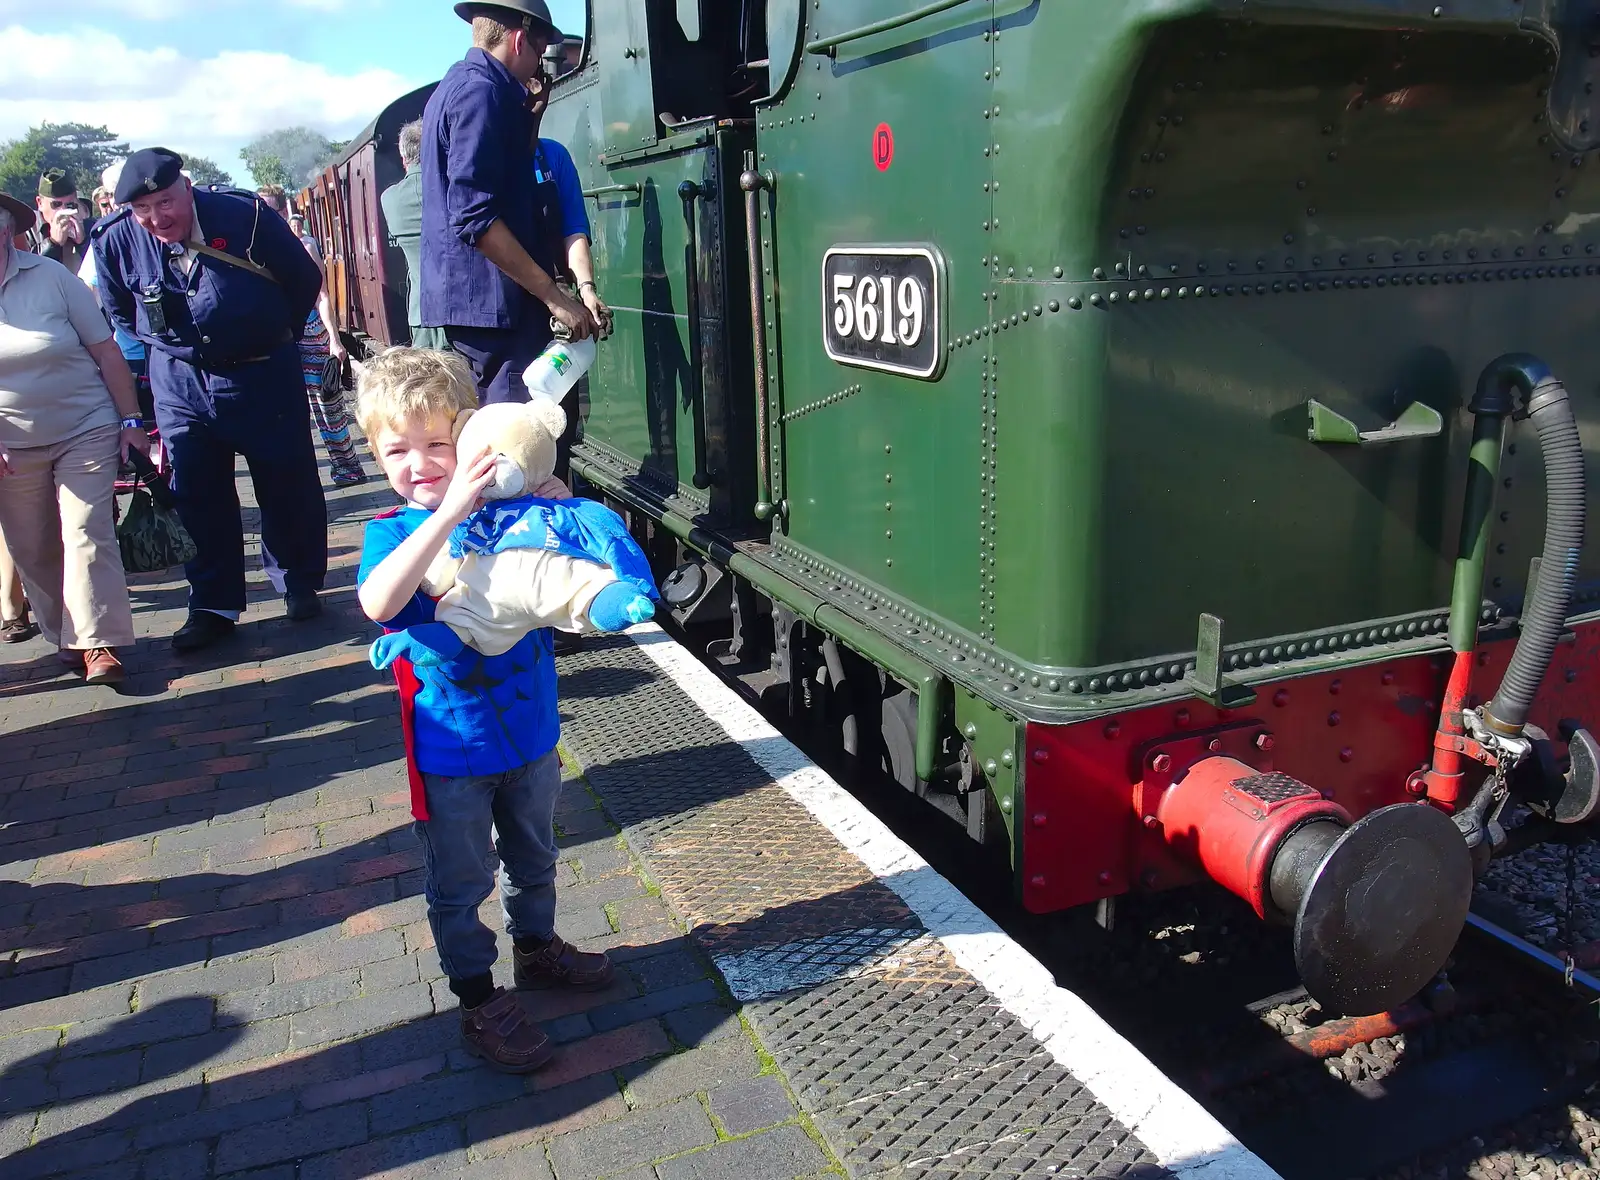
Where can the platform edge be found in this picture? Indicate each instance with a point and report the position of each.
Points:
(1186, 1139)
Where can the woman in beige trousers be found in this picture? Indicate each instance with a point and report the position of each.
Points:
(68, 415)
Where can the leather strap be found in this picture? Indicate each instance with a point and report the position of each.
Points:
(234, 260)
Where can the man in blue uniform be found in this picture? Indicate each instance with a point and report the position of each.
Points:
(219, 289)
(490, 248)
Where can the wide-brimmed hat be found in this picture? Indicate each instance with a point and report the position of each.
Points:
(20, 213)
(536, 11)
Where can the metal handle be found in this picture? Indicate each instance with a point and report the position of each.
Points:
(752, 182)
(688, 193)
(826, 45)
(604, 190)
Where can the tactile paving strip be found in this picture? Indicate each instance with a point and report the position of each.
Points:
(906, 1063)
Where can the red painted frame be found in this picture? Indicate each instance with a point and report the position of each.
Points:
(1356, 735)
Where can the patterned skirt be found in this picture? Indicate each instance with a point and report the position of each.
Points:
(327, 407)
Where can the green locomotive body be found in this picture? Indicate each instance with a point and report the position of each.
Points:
(1055, 390)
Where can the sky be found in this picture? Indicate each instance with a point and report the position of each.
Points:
(208, 76)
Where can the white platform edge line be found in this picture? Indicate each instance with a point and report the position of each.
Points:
(1178, 1130)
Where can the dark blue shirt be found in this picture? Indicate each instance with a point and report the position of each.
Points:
(477, 168)
(475, 714)
(218, 314)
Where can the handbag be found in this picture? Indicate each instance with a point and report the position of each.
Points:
(332, 381)
(150, 535)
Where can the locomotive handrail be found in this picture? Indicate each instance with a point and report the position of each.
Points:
(689, 192)
(752, 182)
(607, 189)
(826, 45)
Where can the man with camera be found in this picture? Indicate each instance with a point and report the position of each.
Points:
(63, 231)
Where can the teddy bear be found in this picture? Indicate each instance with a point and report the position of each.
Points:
(519, 563)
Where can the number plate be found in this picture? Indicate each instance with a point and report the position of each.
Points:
(882, 309)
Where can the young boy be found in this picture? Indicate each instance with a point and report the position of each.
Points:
(480, 730)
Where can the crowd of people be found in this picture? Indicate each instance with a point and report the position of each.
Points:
(204, 311)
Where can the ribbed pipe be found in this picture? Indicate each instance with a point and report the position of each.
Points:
(1544, 615)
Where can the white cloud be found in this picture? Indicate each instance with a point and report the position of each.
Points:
(211, 107)
(152, 10)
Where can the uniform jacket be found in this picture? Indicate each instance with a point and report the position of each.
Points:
(218, 315)
(477, 168)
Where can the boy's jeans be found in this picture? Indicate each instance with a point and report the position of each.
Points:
(521, 805)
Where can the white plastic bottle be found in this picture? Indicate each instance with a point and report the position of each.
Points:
(556, 370)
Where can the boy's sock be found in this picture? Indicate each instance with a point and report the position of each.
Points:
(619, 606)
(473, 992)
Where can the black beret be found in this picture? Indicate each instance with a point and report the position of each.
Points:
(148, 171)
(56, 183)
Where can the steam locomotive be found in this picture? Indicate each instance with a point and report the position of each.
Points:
(1158, 433)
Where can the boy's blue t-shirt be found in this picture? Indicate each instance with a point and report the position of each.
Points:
(475, 714)
(555, 158)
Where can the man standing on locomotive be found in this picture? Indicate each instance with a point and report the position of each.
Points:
(219, 289)
(490, 248)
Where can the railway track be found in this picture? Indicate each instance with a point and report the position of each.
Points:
(1494, 1074)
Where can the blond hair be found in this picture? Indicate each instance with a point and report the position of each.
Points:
(489, 33)
(404, 386)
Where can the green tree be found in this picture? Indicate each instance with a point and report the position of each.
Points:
(205, 171)
(290, 156)
(267, 169)
(82, 150)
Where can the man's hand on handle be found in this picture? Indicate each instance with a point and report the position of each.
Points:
(574, 316)
(597, 308)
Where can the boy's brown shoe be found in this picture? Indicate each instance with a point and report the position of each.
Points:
(560, 964)
(500, 1032)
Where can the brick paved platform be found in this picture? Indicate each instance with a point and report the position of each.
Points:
(214, 959)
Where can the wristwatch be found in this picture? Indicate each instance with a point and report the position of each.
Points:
(133, 424)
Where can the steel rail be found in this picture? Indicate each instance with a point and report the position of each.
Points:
(1578, 977)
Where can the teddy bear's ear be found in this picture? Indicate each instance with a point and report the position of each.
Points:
(548, 414)
(460, 424)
